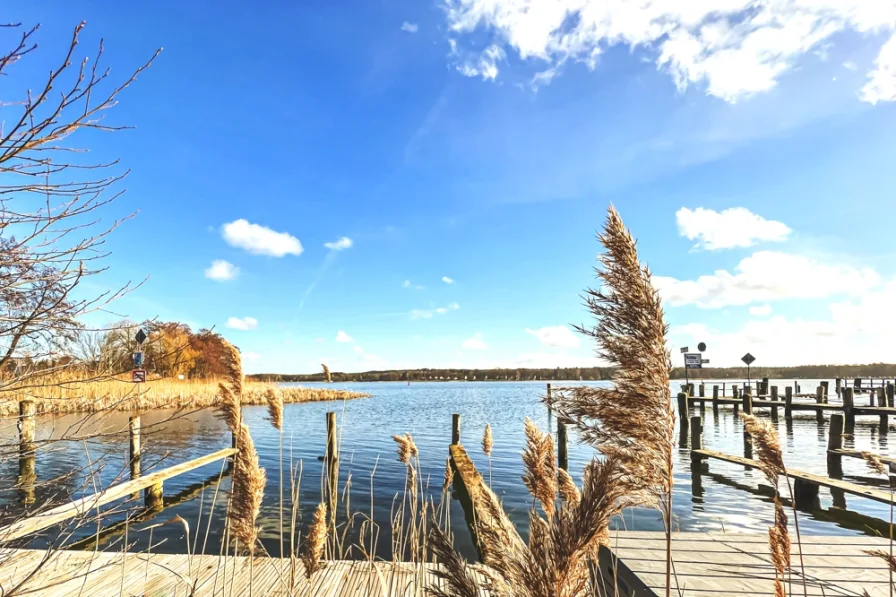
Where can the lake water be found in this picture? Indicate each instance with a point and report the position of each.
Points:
(730, 499)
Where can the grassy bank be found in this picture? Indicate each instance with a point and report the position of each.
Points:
(66, 396)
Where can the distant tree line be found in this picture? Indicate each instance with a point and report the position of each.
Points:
(588, 374)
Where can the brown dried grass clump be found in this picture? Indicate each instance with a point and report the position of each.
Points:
(315, 541)
(327, 373)
(406, 447)
(541, 468)
(487, 442)
(633, 422)
(874, 463)
(275, 407)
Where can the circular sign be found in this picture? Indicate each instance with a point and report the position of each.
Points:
(701, 347)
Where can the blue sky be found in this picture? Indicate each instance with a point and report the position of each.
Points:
(748, 145)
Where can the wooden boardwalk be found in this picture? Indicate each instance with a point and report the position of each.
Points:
(706, 565)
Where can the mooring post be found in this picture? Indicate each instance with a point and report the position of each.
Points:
(826, 385)
(696, 439)
(548, 398)
(455, 429)
(562, 445)
(332, 462)
(849, 415)
(838, 386)
(735, 391)
(702, 390)
(715, 400)
(763, 395)
(819, 399)
(788, 403)
(890, 393)
(683, 417)
(835, 442)
(774, 398)
(748, 400)
(805, 494)
(871, 394)
(884, 423)
(134, 449)
(27, 449)
(723, 389)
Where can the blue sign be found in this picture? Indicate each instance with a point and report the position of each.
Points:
(138, 359)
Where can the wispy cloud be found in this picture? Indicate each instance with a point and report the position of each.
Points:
(428, 313)
(339, 245)
(407, 284)
(242, 323)
(555, 335)
(409, 27)
(260, 240)
(344, 338)
(221, 271)
(447, 280)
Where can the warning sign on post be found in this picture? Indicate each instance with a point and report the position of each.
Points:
(693, 360)
(138, 375)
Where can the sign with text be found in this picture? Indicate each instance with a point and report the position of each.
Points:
(693, 360)
(138, 375)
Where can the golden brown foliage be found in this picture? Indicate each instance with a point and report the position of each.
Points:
(487, 440)
(541, 468)
(875, 464)
(316, 541)
(275, 407)
(771, 459)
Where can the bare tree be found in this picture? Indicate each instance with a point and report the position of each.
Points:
(52, 194)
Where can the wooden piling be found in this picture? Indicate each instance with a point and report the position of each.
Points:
(683, 413)
(715, 400)
(849, 415)
(819, 399)
(332, 462)
(805, 494)
(890, 394)
(455, 428)
(774, 398)
(748, 400)
(883, 421)
(134, 449)
(838, 386)
(696, 440)
(788, 403)
(562, 445)
(27, 449)
(702, 390)
(736, 393)
(835, 442)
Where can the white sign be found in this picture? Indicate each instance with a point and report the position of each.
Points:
(692, 360)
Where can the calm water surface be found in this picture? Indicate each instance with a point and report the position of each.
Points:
(731, 498)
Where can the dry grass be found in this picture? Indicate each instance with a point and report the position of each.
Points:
(74, 396)
(316, 541)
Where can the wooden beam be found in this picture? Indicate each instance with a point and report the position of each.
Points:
(83, 506)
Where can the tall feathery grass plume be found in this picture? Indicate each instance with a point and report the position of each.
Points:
(634, 420)
(315, 541)
(275, 407)
(771, 462)
(248, 479)
(540, 475)
(327, 373)
(487, 445)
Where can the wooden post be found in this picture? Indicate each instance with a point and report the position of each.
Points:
(715, 400)
(774, 398)
(838, 386)
(332, 462)
(788, 403)
(736, 393)
(764, 393)
(27, 449)
(835, 442)
(826, 385)
(890, 394)
(723, 389)
(871, 395)
(696, 439)
(134, 449)
(683, 413)
(702, 390)
(849, 415)
(884, 423)
(562, 445)
(748, 400)
(805, 494)
(819, 399)
(153, 496)
(455, 429)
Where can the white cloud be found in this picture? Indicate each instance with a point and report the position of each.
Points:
(339, 245)
(409, 27)
(406, 284)
(485, 66)
(428, 313)
(761, 310)
(767, 276)
(344, 338)
(447, 280)
(556, 335)
(222, 271)
(730, 228)
(477, 342)
(850, 65)
(244, 323)
(734, 48)
(260, 240)
(881, 86)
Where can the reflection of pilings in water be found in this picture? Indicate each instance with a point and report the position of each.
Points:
(838, 514)
(146, 514)
(27, 449)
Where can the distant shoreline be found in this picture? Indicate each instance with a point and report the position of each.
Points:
(875, 370)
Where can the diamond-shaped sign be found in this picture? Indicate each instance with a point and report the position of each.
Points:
(748, 359)
(140, 337)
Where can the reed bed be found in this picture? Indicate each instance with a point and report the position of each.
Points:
(64, 396)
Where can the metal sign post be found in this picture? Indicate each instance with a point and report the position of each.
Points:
(138, 375)
(684, 351)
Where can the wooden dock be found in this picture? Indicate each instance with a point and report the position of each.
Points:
(706, 564)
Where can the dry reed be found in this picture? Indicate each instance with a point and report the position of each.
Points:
(487, 442)
(874, 463)
(275, 407)
(541, 469)
(315, 541)
(71, 395)
(327, 373)
(633, 421)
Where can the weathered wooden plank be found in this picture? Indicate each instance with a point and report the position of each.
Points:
(851, 488)
(83, 506)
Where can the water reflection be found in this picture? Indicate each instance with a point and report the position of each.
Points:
(725, 496)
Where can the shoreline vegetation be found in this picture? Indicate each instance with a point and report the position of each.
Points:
(876, 370)
(119, 394)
